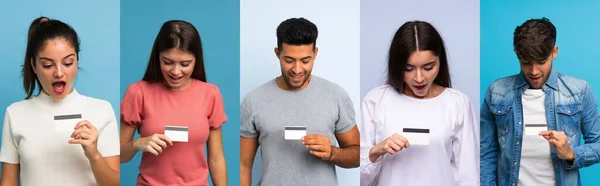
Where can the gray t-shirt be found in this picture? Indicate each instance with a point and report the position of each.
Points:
(323, 107)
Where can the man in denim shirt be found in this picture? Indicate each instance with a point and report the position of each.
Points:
(532, 122)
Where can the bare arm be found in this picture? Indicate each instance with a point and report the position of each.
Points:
(10, 174)
(128, 151)
(248, 147)
(106, 170)
(216, 158)
(348, 154)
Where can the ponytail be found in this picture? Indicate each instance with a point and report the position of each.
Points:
(41, 30)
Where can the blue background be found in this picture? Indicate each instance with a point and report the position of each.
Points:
(218, 23)
(577, 40)
(96, 23)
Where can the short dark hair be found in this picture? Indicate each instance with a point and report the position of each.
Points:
(534, 40)
(175, 34)
(297, 31)
(41, 30)
(416, 36)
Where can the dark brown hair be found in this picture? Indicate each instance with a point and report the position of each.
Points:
(534, 40)
(416, 36)
(180, 35)
(41, 30)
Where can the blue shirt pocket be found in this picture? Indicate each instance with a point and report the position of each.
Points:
(502, 118)
(569, 117)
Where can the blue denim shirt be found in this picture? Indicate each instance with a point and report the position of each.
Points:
(570, 107)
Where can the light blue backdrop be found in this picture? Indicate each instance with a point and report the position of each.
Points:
(380, 19)
(462, 42)
(337, 61)
(577, 40)
(218, 25)
(99, 56)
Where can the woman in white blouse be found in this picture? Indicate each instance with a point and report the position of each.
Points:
(416, 130)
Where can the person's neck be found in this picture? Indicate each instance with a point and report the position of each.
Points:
(47, 94)
(178, 89)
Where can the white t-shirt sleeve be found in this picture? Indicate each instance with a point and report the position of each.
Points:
(9, 151)
(108, 135)
(465, 146)
(369, 171)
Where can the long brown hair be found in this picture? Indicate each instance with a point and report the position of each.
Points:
(404, 44)
(175, 34)
(41, 30)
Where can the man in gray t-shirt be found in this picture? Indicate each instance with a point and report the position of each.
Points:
(274, 114)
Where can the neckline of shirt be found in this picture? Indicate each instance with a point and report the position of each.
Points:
(46, 99)
(187, 89)
(427, 99)
(310, 84)
(534, 92)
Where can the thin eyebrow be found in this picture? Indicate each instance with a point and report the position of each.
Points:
(46, 58)
(430, 63)
(189, 61)
(68, 56)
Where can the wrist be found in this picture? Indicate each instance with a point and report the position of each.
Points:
(374, 153)
(571, 155)
(95, 157)
(332, 153)
(134, 143)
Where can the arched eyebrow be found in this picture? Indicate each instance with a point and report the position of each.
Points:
(166, 58)
(46, 58)
(430, 63)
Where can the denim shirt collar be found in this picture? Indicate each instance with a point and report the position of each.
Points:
(521, 82)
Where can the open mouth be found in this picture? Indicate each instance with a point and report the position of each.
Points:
(536, 79)
(59, 87)
(420, 87)
(175, 80)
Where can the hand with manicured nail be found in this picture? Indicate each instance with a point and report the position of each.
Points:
(86, 135)
(154, 144)
(558, 140)
(390, 145)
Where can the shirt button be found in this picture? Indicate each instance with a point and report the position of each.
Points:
(498, 112)
(569, 111)
(519, 122)
(514, 163)
(517, 142)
